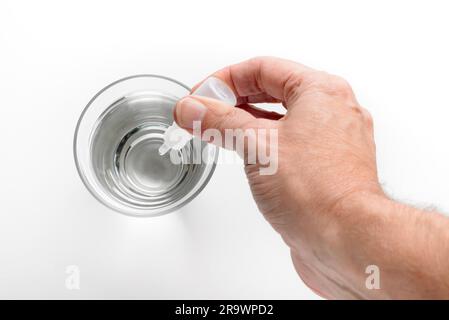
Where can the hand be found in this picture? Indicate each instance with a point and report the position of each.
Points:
(326, 182)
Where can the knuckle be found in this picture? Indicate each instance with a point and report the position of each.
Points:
(339, 85)
(367, 116)
(330, 84)
(260, 59)
(361, 117)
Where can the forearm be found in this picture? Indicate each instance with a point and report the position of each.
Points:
(409, 246)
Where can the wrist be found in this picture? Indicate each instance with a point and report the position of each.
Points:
(352, 241)
(334, 247)
(395, 238)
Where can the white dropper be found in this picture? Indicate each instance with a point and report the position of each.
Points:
(175, 137)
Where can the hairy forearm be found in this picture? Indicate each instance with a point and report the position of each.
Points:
(376, 248)
(409, 246)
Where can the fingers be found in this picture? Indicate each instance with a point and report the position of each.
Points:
(213, 114)
(264, 79)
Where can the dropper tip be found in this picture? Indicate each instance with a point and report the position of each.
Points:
(163, 149)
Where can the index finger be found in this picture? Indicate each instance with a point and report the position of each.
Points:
(263, 79)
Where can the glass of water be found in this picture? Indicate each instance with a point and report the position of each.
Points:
(116, 145)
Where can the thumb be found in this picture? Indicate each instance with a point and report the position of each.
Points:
(210, 114)
(237, 129)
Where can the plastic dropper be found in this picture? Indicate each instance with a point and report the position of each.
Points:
(175, 137)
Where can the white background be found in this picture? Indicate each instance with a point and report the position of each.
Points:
(55, 55)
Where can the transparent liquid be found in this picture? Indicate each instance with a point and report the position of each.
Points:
(125, 155)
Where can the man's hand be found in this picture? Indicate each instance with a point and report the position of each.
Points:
(325, 199)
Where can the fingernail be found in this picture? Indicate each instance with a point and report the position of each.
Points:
(189, 110)
(216, 88)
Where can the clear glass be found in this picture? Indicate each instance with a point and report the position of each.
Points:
(116, 148)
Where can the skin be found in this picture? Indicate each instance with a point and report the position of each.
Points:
(325, 199)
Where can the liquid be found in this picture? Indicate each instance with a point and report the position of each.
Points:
(125, 155)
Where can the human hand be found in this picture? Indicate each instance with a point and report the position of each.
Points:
(324, 199)
(326, 148)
